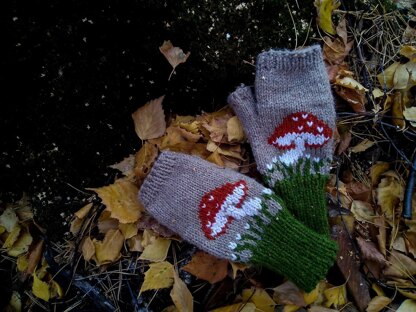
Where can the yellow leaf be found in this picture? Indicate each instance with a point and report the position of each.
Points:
(376, 170)
(22, 244)
(120, 198)
(135, 243)
(378, 303)
(235, 132)
(159, 275)
(12, 237)
(407, 306)
(75, 226)
(207, 267)
(215, 158)
(174, 55)
(148, 237)
(401, 77)
(260, 298)
(378, 290)
(386, 77)
(238, 267)
(8, 219)
(362, 211)
(226, 150)
(125, 166)
(40, 288)
(362, 146)
(128, 229)
(350, 83)
(82, 213)
(389, 194)
(22, 263)
(336, 296)
(15, 303)
(144, 160)
(288, 293)
(106, 223)
(237, 307)
(56, 290)
(149, 120)
(377, 93)
(157, 250)
(290, 308)
(410, 114)
(325, 8)
(181, 296)
(409, 52)
(88, 249)
(108, 250)
(321, 309)
(316, 296)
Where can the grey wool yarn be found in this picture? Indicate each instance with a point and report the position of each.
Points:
(232, 216)
(289, 120)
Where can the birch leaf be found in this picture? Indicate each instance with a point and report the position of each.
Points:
(108, 250)
(149, 120)
(207, 267)
(181, 296)
(156, 251)
(325, 9)
(159, 275)
(410, 114)
(174, 55)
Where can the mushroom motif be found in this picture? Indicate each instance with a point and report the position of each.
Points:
(298, 131)
(219, 207)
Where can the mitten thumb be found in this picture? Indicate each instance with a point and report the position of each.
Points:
(243, 103)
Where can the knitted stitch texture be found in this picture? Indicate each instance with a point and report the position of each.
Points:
(232, 216)
(289, 122)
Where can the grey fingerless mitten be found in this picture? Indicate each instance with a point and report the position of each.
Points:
(232, 216)
(289, 123)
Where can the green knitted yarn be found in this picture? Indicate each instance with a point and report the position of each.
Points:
(279, 233)
(305, 198)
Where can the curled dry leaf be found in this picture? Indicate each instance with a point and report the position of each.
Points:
(207, 267)
(174, 55)
(159, 275)
(235, 132)
(149, 120)
(362, 211)
(120, 198)
(135, 243)
(106, 223)
(378, 303)
(389, 194)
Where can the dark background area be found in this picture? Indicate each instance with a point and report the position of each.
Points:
(74, 72)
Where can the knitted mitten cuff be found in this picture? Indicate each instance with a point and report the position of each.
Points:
(289, 122)
(232, 216)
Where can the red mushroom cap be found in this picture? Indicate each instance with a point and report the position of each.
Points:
(213, 222)
(314, 132)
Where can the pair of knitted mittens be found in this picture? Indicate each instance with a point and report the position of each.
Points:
(232, 216)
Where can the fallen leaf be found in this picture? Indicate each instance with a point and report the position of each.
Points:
(399, 244)
(106, 223)
(88, 248)
(12, 237)
(174, 55)
(325, 8)
(34, 257)
(15, 303)
(398, 104)
(120, 198)
(408, 51)
(235, 132)
(181, 296)
(237, 307)
(400, 265)
(401, 77)
(226, 150)
(40, 288)
(288, 293)
(336, 296)
(316, 296)
(156, 251)
(377, 170)
(218, 128)
(321, 309)
(22, 244)
(389, 194)
(260, 298)
(56, 290)
(386, 77)
(144, 160)
(108, 250)
(82, 213)
(22, 263)
(238, 267)
(377, 93)
(216, 158)
(149, 120)
(378, 303)
(159, 275)
(76, 225)
(8, 219)
(408, 305)
(207, 267)
(125, 166)
(362, 211)
(135, 243)
(410, 114)
(128, 229)
(369, 251)
(362, 146)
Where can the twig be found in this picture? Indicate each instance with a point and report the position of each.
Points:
(408, 194)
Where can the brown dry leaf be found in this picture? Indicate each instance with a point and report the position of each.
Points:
(334, 53)
(109, 249)
(362, 211)
(174, 55)
(34, 257)
(149, 237)
(407, 306)
(398, 103)
(377, 170)
(288, 293)
(218, 128)
(120, 198)
(216, 158)
(75, 226)
(386, 77)
(262, 300)
(106, 223)
(409, 114)
(238, 267)
(159, 275)
(156, 251)
(144, 160)
(8, 219)
(362, 146)
(82, 213)
(378, 303)
(149, 120)
(336, 296)
(237, 307)
(207, 267)
(389, 194)
(135, 243)
(181, 296)
(409, 52)
(226, 150)
(22, 244)
(382, 233)
(369, 251)
(399, 244)
(324, 9)
(235, 132)
(128, 229)
(88, 249)
(125, 166)
(321, 309)
(400, 265)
